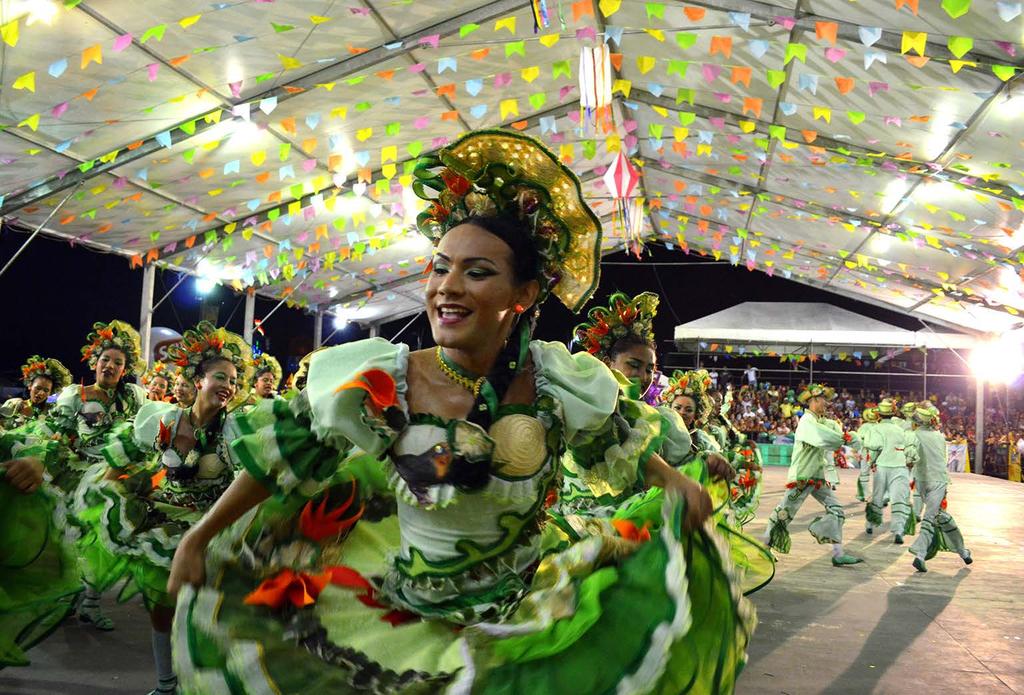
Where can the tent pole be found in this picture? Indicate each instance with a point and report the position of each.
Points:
(810, 361)
(250, 314)
(924, 393)
(35, 233)
(697, 366)
(146, 313)
(318, 328)
(979, 425)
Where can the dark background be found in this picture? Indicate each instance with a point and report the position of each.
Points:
(53, 293)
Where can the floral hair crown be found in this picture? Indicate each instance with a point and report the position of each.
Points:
(622, 318)
(693, 384)
(36, 366)
(489, 173)
(205, 342)
(264, 363)
(159, 369)
(116, 335)
(815, 390)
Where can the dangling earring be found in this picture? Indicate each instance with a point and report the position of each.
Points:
(519, 309)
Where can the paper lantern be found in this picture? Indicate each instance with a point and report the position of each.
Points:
(628, 213)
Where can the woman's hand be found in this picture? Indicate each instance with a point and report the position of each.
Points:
(25, 474)
(698, 502)
(189, 564)
(719, 468)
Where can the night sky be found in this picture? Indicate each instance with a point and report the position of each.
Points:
(55, 292)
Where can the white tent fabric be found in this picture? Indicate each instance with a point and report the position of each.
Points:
(791, 327)
(872, 149)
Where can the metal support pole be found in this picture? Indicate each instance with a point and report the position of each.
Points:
(35, 233)
(979, 426)
(250, 314)
(375, 330)
(810, 360)
(318, 328)
(698, 354)
(924, 393)
(146, 313)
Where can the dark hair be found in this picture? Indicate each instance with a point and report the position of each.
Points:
(525, 267)
(623, 344)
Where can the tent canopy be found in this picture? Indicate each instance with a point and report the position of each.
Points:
(872, 149)
(790, 327)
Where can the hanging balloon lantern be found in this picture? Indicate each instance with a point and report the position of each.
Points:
(628, 213)
(595, 87)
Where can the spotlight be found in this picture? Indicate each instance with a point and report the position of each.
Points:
(998, 362)
(205, 285)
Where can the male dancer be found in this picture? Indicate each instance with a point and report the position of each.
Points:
(887, 442)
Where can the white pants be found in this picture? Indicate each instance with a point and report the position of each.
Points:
(825, 529)
(891, 484)
(938, 529)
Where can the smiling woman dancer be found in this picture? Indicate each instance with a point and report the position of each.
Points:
(456, 591)
(41, 377)
(161, 472)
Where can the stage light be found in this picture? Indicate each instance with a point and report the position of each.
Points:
(44, 11)
(205, 285)
(998, 362)
(332, 292)
(341, 319)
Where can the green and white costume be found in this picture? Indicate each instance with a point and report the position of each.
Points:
(888, 443)
(938, 528)
(454, 579)
(864, 476)
(812, 471)
(136, 521)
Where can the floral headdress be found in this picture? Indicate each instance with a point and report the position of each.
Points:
(870, 415)
(815, 390)
(36, 366)
(116, 335)
(623, 317)
(205, 342)
(264, 363)
(159, 369)
(492, 172)
(694, 384)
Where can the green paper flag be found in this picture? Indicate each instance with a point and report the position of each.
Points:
(589, 149)
(414, 148)
(775, 77)
(956, 8)
(515, 47)
(686, 40)
(561, 68)
(657, 9)
(467, 29)
(795, 50)
(538, 100)
(684, 94)
(856, 117)
(1003, 72)
(686, 118)
(777, 131)
(156, 32)
(678, 67)
(959, 45)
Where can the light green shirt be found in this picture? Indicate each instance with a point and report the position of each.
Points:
(816, 440)
(888, 442)
(930, 468)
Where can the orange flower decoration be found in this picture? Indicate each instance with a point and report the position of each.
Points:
(378, 384)
(298, 588)
(317, 523)
(631, 532)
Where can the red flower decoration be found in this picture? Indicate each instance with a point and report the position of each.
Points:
(378, 384)
(163, 439)
(298, 588)
(631, 532)
(317, 523)
(458, 185)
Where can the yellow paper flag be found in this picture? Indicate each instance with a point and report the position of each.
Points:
(609, 7)
(506, 23)
(32, 122)
(26, 81)
(549, 40)
(93, 54)
(189, 21)
(289, 63)
(509, 107)
(914, 41)
(645, 64)
(10, 32)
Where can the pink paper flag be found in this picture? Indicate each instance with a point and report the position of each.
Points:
(236, 88)
(59, 110)
(122, 42)
(421, 122)
(834, 55)
(433, 40)
(152, 69)
(711, 72)
(787, 22)
(876, 87)
(502, 79)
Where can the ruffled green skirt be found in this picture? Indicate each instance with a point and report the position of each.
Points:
(128, 538)
(603, 613)
(39, 575)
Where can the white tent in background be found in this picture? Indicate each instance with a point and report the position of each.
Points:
(806, 327)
